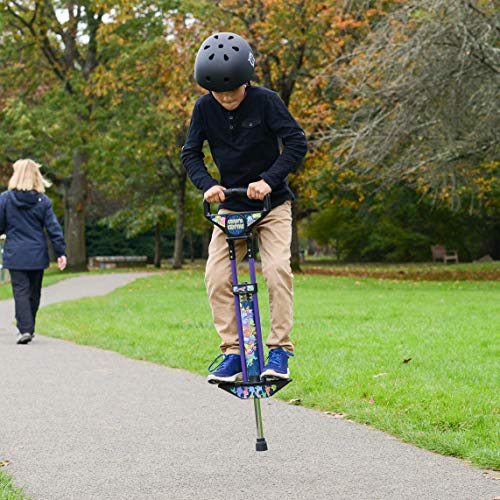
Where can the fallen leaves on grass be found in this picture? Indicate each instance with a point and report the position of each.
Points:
(296, 402)
(407, 360)
(412, 275)
(380, 375)
(3, 463)
(371, 400)
(492, 475)
(336, 415)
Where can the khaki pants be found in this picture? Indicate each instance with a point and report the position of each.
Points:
(274, 234)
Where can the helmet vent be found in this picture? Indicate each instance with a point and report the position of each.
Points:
(221, 46)
(230, 37)
(211, 56)
(226, 58)
(226, 79)
(216, 37)
(237, 49)
(207, 78)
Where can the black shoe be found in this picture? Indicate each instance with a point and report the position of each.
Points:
(24, 338)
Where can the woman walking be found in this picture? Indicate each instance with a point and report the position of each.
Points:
(25, 211)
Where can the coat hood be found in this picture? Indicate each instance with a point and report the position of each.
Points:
(25, 199)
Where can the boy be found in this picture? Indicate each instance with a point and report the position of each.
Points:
(255, 143)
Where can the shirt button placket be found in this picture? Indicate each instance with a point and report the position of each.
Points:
(231, 122)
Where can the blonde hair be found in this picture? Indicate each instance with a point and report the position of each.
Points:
(27, 177)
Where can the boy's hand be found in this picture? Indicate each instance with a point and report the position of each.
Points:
(258, 190)
(215, 194)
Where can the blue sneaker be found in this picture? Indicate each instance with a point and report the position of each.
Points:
(277, 364)
(228, 370)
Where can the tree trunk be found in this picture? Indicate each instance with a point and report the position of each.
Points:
(179, 227)
(75, 198)
(295, 246)
(205, 241)
(191, 245)
(157, 255)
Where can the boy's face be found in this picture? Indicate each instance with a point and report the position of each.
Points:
(231, 99)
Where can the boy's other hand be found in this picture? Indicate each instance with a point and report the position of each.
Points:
(258, 190)
(215, 194)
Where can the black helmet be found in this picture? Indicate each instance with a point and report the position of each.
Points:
(224, 62)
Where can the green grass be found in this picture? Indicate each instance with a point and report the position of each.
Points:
(416, 359)
(7, 490)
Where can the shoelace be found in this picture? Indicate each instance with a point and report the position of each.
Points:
(215, 361)
(276, 356)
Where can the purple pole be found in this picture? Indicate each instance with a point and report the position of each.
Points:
(234, 275)
(253, 279)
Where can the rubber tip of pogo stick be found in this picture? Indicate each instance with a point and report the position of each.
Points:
(261, 444)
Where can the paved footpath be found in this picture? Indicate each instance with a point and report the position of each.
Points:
(83, 423)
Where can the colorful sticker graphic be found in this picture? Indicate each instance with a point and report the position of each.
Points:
(219, 219)
(249, 337)
(252, 218)
(235, 224)
(254, 391)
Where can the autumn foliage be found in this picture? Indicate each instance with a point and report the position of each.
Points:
(389, 92)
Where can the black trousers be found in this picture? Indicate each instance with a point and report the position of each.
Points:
(26, 287)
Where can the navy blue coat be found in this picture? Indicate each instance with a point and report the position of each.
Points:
(23, 217)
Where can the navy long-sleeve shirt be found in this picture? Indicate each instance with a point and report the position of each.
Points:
(23, 217)
(258, 140)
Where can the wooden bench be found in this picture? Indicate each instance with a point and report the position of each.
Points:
(439, 253)
(117, 261)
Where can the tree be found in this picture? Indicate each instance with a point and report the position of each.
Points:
(148, 84)
(423, 91)
(100, 91)
(54, 51)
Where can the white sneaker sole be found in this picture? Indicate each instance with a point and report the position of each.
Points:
(271, 373)
(24, 338)
(233, 378)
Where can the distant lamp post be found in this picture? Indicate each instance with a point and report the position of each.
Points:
(2, 272)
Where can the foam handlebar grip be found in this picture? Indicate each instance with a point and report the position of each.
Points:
(240, 192)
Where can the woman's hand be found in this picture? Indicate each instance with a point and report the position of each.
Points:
(61, 262)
